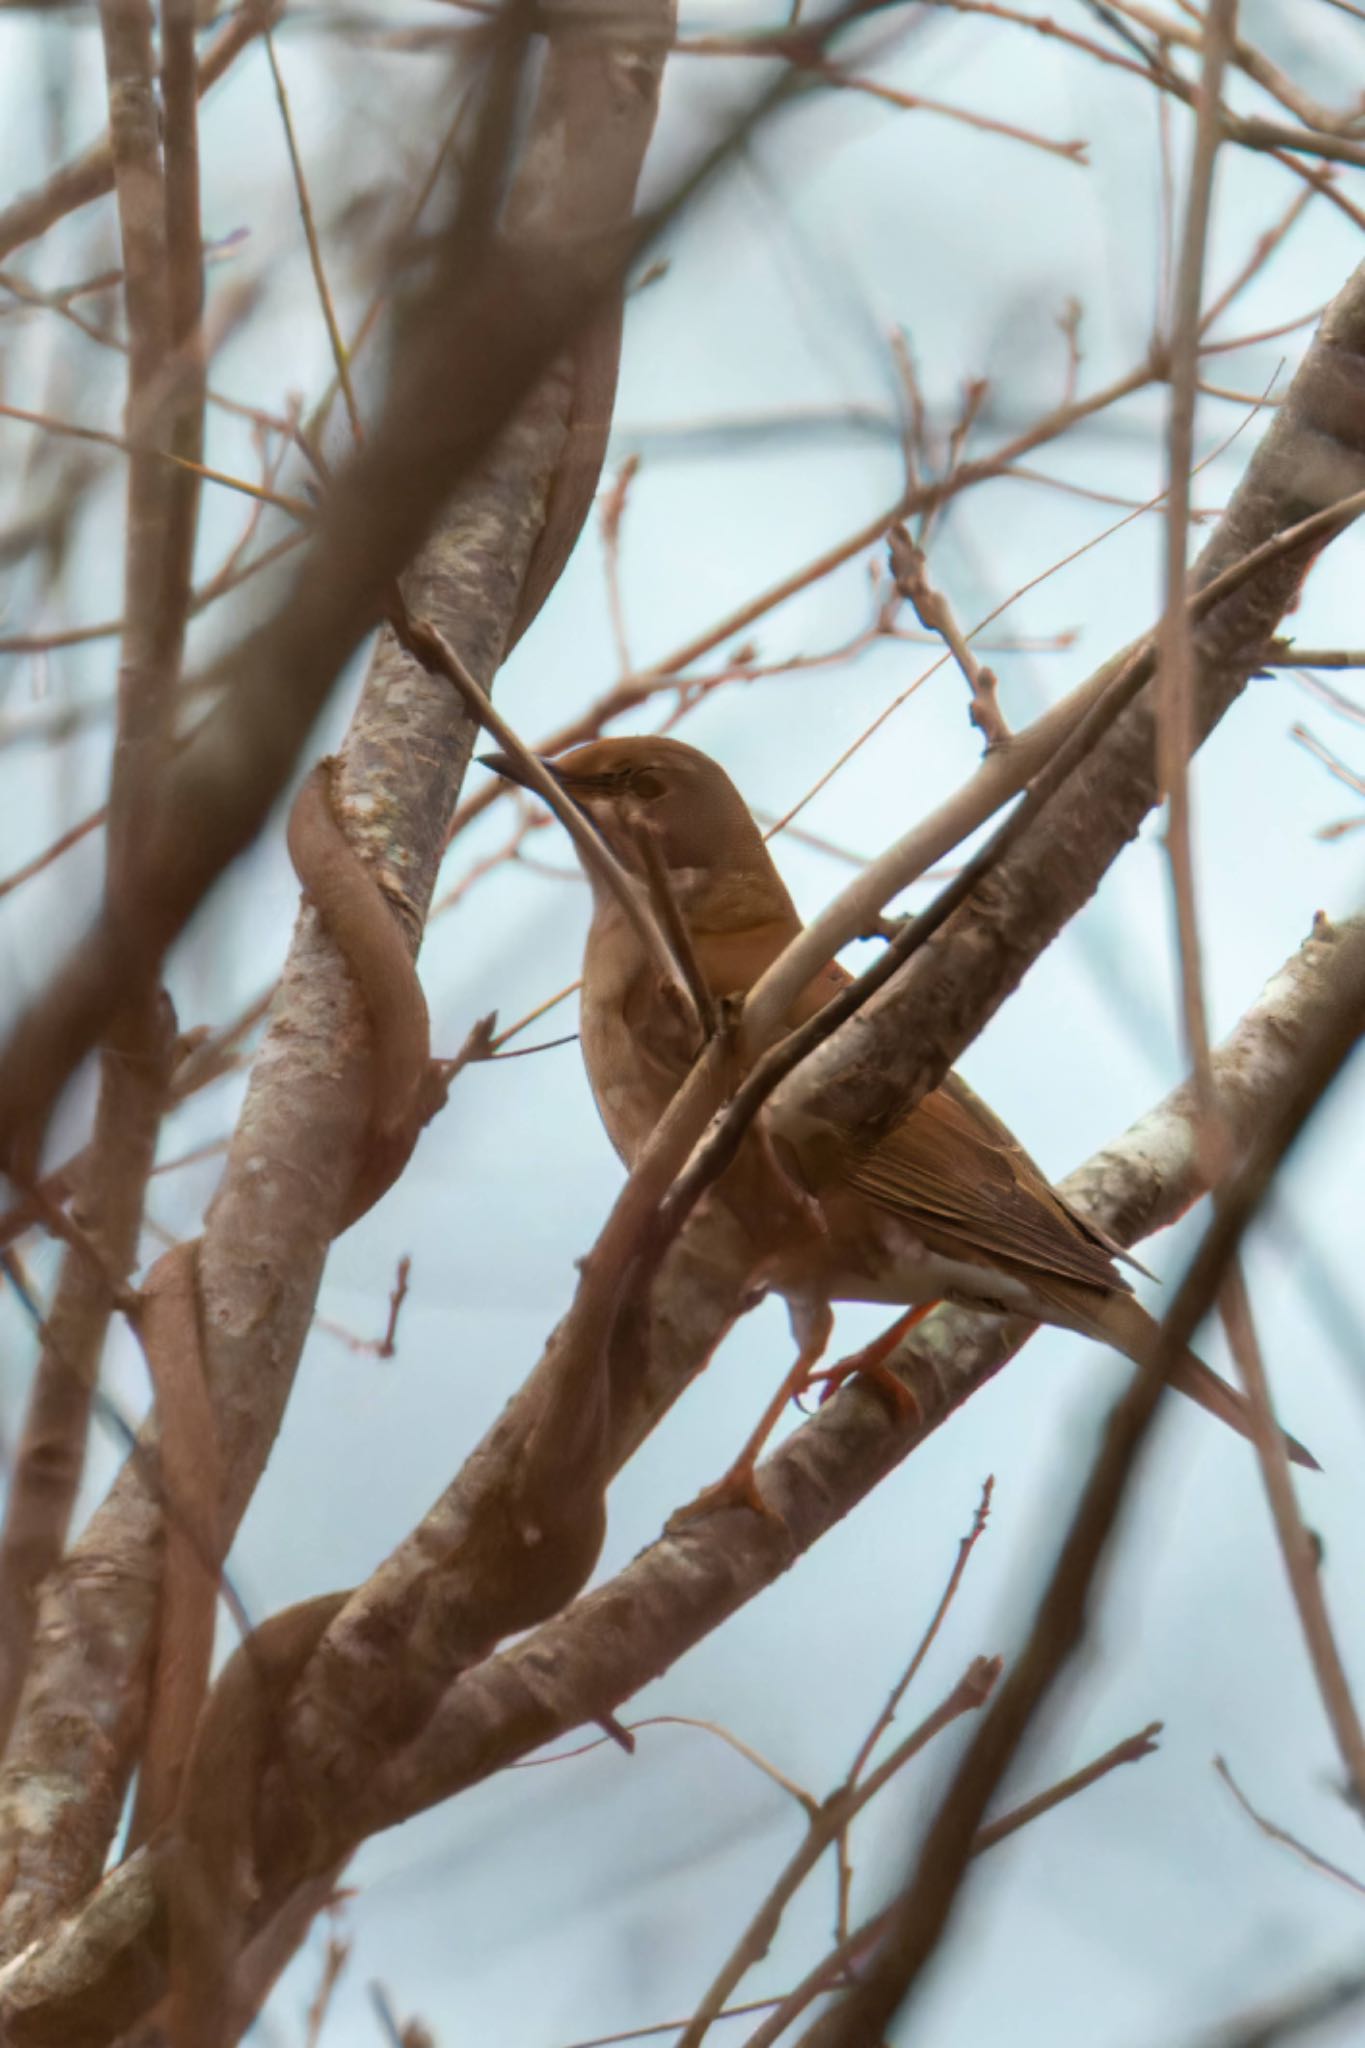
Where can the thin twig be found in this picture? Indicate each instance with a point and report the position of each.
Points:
(965, 1547)
(1175, 673)
(1130, 1751)
(1311, 1857)
(830, 1820)
(833, 1967)
(610, 513)
(1297, 1550)
(340, 359)
(935, 614)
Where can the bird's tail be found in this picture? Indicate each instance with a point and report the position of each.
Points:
(1119, 1320)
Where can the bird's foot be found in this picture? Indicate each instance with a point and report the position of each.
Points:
(871, 1363)
(902, 1399)
(737, 1488)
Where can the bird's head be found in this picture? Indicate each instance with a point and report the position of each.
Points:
(684, 800)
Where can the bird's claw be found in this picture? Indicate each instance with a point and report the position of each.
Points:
(871, 1363)
(879, 1374)
(737, 1488)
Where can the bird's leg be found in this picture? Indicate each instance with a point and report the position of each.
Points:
(812, 1324)
(871, 1363)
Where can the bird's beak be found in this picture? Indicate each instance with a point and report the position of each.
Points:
(504, 765)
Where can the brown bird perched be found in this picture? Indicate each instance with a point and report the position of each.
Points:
(947, 1207)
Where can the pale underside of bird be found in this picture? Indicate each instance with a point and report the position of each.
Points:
(946, 1206)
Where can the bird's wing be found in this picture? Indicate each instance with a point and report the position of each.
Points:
(1002, 1135)
(955, 1174)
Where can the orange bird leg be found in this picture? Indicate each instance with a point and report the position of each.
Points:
(871, 1362)
(739, 1486)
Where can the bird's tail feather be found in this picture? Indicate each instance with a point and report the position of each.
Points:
(1123, 1322)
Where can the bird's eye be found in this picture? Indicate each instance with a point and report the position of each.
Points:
(646, 784)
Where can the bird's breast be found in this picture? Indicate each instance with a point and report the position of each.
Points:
(627, 1030)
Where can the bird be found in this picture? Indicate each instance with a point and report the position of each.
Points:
(947, 1206)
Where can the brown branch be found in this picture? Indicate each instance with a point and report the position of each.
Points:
(1175, 736)
(1175, 742)
(110, 1177)
(59, 846)
(1175, 718)
(340, 358)
(1131, 1750)
(964, 1553)
(402, 1093)
(1070, 152)
(610, 513)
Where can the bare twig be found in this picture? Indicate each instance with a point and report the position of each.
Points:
(1175, 674)
(1311, 1857)
(825, 1825)
(898, 1691)
(1131, 1750)
(935, 615)
(1297, 1550)
(610, 513)
(831, 1970)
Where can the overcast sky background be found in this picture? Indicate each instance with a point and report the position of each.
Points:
(556, 1904)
